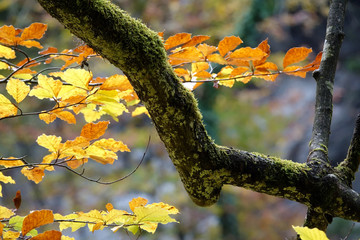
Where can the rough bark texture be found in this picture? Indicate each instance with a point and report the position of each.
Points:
(203, 166)
(318, 155)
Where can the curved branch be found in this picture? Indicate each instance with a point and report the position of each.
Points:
(203, 166)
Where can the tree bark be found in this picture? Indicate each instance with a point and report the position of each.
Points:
(203, 166)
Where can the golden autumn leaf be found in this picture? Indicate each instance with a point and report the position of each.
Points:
(6, 107)
(5, 179)
(35, 174)
(151, 215)
(246, 54)
(310, 234)
(101, 155)
(137, 202)
(228, 44)
(58, 113)
(47, 87)
(73, 225)
(216, 58)
(112, 145)
(50, 142)
(66, 238)
(295, 55)
(109, 207)
(9, 235)
(51, 234)
(295, 71)
(116, 82)
(37, 219)
(78, 78)
(94, 130)
(11, 162)
(34, 31)
(7, 52)
(5, 212)
(7, 35)
(206, 50)
(186, 55)
(17, 89)
(176, 40)
(196, 40)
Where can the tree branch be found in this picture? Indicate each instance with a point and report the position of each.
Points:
(318, 155)
(203, 166)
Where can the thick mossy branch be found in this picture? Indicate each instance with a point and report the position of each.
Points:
(203, 166)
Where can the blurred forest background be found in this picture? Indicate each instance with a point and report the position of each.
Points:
(273, 118)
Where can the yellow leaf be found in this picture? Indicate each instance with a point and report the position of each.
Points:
(137, 202)
(112, 145)
(7, 52)
(150, 215)
(94, 130)
(3, 65)
(72, 92)
(101, 155)
(17, 89)
(78, 78)
(11, 162)
(90, 113)
(73, 225)
(66, 238)
(140, 110)
(216, 58)
(225, 73)
(5, 212)
(295, 55)
(97, 226)
(6, 107)
(51, 142)
(35, 174)
(47, 117)
(66, 116)
(47, 88)
(11, 235)
(51, 234)
(206, 50)
(6, 179)
(37, 219)
(228, 44)
(310, 234)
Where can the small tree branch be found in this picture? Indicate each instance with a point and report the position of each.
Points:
(318, 155)
(350, 165)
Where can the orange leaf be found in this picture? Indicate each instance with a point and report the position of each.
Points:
(49, 50)
(247, 54)
(190, 54)
(177, 40)
(295, 55)
(51, 234)
(76, 163)
(37, 219)
(17, 199)
(137, 202)
(295, 71)
(34, 31)
(35, 174)
(206, 49)
(94, 130)
(238, 71)
(31, 43)
(315, 64)
(228, 44)
(216, 58)
(196, 40)
(7, 35)
(109, 207)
